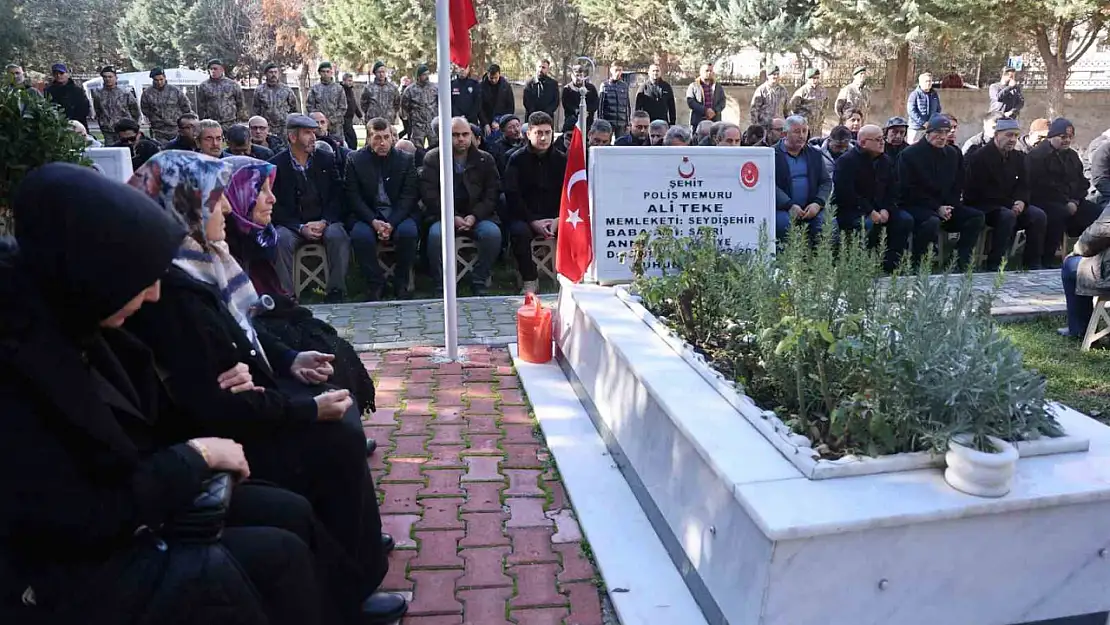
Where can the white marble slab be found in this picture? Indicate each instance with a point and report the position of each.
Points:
(628, 551)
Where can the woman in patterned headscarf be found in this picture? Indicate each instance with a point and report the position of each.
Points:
(294, 431)
(251, 236)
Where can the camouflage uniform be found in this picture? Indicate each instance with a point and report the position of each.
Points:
(162, 107)
(812, 103)
(331, 100)
(380, 100)
(421, 103)
(852, 97)
(275, 104)
(112, 105)
(768, 102)
(221, 100)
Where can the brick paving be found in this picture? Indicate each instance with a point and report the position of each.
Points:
(485, 533)
(492, 320)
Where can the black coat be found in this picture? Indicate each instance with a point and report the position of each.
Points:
(862, 184)
(657, 100)
(929, 178)
(483, 184)
(71, 98)
(206, 341)
(397, 169)
(501, 150)
(82, 466)
(534, 184)
(494, 100)
(541, 94)
(464, 99)
(992, 181)
(572, 99)
(1055, 176)
(290, 185)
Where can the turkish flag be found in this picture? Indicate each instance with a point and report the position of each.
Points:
(575, 248)
(463, 18)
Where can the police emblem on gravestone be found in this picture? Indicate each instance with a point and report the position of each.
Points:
(749, 175)
(685, 168)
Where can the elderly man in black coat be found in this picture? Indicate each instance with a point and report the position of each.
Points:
(309, 207)
(382, 191)
(864, 195)
(1058, 186)
(996, 184)
(930, 180)
(802, 183)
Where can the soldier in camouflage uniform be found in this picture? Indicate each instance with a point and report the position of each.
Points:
(275, 101)
(220, 98)
(421, 103)
(811, 101)
(328, 97)
(380, 98)
(769, 100)
(111, 104)
(163, 104)
(856, 95)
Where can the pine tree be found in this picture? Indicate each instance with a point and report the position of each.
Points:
(402, 33)
(146, 32)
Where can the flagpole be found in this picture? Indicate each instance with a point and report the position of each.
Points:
(446, 179)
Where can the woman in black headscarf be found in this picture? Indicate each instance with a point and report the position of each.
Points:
(91, 480)
(296, 432)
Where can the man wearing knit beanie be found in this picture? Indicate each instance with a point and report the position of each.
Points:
(1058, 186)
(930, 180)
(1038, 130)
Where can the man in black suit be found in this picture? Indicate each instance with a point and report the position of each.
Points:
(382, 189)
(309, 206)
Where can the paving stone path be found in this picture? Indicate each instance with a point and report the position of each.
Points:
(492, 320)
(485, 533)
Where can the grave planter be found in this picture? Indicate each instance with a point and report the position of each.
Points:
(765, 534)
(980, 473)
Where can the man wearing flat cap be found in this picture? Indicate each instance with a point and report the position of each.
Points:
(930, 183)
(420, 103)
(163, 104)
(309, 206)
(220, 97)
(328, 97)
(855, 95)
(112, 103)
(997, 185)
(769, 100)
(275, 100)
(380, 98)
(811, 101)
(1058, 186)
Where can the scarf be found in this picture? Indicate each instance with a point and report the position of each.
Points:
(191, 185)
(247, 177)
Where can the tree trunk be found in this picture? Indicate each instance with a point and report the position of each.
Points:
(899, 83)
(1057, 81)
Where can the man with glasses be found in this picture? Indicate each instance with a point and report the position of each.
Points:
(188, 129)
(996, 184)
(260, 134)
(863, 193)
(1058, 186)
(132, 138)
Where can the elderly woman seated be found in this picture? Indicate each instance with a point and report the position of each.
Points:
(296, 431)
(1086, 275)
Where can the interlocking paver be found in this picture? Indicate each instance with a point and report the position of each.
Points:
(470, 497)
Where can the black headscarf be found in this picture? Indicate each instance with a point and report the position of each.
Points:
(90, 244)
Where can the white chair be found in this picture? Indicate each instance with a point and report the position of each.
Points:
(1099, 325)
(312, 274)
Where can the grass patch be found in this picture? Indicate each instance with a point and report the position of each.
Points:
(1076, 378)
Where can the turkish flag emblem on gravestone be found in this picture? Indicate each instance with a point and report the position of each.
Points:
(749, 175)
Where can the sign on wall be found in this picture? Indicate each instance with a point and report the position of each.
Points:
(638, 189)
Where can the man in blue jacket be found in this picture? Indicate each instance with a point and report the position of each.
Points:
(921, 106)
(864, 193)
(930, 181)
(801, 180)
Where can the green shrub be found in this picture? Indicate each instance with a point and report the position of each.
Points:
(857, 364)
(33, 132)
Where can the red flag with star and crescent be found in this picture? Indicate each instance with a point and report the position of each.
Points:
(575, 249)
